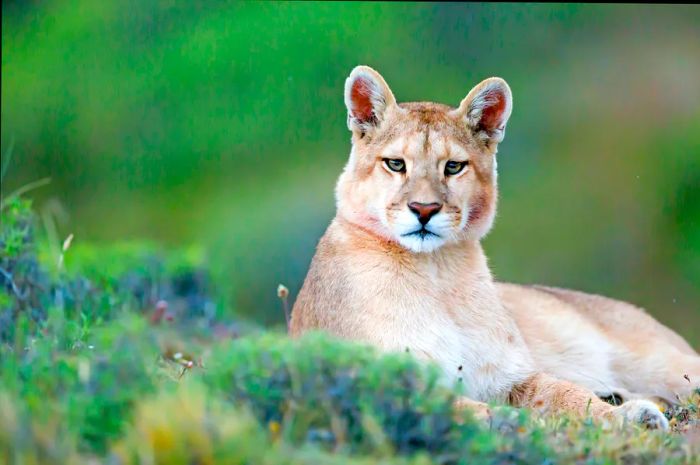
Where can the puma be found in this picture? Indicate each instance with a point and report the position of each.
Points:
(401, 267)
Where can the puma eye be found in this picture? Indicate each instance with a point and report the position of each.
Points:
(454, 167)
(395, 164)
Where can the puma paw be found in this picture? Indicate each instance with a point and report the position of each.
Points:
(479, 410)
(641, 412)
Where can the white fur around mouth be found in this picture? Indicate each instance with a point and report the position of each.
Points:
(421, 240)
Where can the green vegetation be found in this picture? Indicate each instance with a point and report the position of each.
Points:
(94, 367)
(136, 125)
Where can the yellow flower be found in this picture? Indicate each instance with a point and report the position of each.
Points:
(274, 428)
(161, 438)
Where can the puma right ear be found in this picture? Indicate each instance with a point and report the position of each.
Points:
(367, 97)
(486, 109)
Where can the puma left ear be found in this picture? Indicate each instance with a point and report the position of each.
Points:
(368, 98)
(486, 109)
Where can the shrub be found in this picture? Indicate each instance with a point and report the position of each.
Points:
(190, 425)
(345, 397)
(90, 372)
(93, 284)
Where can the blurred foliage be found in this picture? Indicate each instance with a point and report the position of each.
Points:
(339, 395)
(118, 400)
(112, 279)
(222, 124)
(186, 427)
(128, 388)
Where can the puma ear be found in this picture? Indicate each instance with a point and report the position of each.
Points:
(486, 109)
(367, 97)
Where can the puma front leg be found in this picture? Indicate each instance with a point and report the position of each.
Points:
(549, 395)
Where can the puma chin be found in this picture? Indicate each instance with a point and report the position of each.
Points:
(422, 238)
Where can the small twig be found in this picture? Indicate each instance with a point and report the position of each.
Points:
(64, 249)
(283, 294)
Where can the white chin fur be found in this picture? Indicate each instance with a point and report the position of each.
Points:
(419, 245)
(406, 222)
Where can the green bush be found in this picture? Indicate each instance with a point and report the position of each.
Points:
(90, 284)
(313, 396)
(24, 284)
(91, 385)
(344, 397)
(102, 377)
(190, 426)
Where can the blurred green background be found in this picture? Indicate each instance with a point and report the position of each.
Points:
(223, 124)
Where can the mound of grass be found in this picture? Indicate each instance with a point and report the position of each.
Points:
(118, 355)
(92, 284)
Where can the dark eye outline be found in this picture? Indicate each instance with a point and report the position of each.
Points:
(399, 166)
(453, 168)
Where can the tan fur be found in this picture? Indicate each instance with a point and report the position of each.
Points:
(376, 281)
(603, 344)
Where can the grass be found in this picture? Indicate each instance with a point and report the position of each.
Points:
(122, 354)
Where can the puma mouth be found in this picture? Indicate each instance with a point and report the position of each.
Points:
(421, 240)
(422, 233)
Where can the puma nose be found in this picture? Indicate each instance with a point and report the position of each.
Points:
(424, 211)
